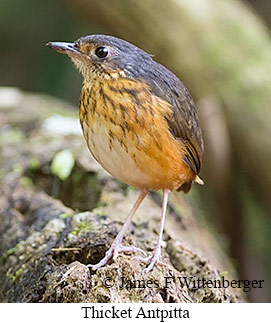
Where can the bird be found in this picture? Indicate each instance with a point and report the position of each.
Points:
(140, 123)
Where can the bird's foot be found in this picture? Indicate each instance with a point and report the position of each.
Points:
(113, 252)
(154, 259)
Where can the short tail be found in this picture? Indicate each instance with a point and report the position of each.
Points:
(199, 180)
(185, 187)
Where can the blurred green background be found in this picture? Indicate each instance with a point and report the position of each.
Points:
(222, 52)
(25, 27)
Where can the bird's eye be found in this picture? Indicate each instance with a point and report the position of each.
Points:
(101, 52)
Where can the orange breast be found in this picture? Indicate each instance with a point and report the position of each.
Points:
(126, 131)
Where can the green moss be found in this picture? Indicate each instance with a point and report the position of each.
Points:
(26, 181)
(66, 215)
(11, 135)
(34, 163)
(18, 168)
(16, 275)
(77, 177)
(131, 189)
(92, 182)
(13, 249)
(100, 213)
(223, 274)
(82, 226)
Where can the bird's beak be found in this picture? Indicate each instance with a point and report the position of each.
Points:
(64, 48)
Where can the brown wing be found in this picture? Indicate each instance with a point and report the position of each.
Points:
(183, 122)
(184, 125)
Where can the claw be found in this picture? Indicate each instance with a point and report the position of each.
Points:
(114, 251)
(154, 259)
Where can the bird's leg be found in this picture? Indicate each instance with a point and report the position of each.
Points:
(116, 246)
(155, 257)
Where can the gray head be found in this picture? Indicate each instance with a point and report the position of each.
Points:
(105, 56)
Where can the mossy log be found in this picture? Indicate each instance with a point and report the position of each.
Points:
(51, 228)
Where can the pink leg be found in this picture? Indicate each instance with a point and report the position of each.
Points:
(116, 246)
(155, 258)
